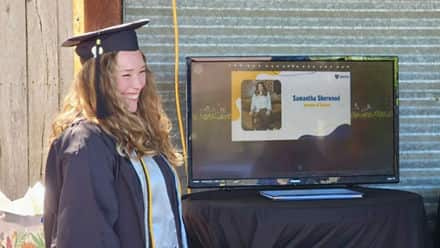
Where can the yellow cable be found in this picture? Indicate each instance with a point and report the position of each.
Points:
(176, 86)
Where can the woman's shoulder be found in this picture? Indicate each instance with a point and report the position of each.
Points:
(83, 129)
(82, 134)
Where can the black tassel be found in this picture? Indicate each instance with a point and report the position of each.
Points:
(101, 109)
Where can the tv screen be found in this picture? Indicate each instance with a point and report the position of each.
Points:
(292, 121)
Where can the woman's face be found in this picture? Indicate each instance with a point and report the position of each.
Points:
(130, 77)
(260, 88)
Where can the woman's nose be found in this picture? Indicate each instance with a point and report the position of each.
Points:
(138, 82)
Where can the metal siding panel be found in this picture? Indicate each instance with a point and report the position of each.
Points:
(409, 29)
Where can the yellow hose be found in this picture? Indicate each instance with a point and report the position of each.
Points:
(176, 86)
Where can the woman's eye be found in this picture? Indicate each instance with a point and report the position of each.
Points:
(126, 75)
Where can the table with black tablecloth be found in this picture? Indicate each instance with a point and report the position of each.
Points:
(243, 218)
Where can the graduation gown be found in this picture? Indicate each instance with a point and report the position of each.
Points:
(93, 195)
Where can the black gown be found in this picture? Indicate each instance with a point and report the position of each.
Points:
(93, 195)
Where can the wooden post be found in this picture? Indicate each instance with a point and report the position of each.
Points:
(13, 99)
(65, 30)
(43, 80)
(101, 13)
(90, 15)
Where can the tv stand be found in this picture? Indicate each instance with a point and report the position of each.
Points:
(242, 218)
(311, 194)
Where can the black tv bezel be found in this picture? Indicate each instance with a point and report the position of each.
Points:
(327, 181)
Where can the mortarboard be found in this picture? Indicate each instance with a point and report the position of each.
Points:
(112, 39)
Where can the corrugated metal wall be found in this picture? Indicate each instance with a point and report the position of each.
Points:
(409, 29)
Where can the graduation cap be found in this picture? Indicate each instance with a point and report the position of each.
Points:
(112, 39)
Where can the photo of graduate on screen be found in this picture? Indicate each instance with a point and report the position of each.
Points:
(261, 99)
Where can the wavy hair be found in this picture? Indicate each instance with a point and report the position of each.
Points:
(147, 131)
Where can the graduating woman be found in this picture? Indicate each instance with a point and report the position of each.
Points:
(261, 107)
(109, 176)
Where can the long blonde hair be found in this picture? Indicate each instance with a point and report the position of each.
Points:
(147, 131)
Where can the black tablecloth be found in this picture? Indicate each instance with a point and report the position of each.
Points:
(383, 218)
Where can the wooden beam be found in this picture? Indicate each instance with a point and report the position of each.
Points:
(101, 13)
(90, 15)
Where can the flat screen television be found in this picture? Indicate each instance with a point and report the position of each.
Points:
(292, 121)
